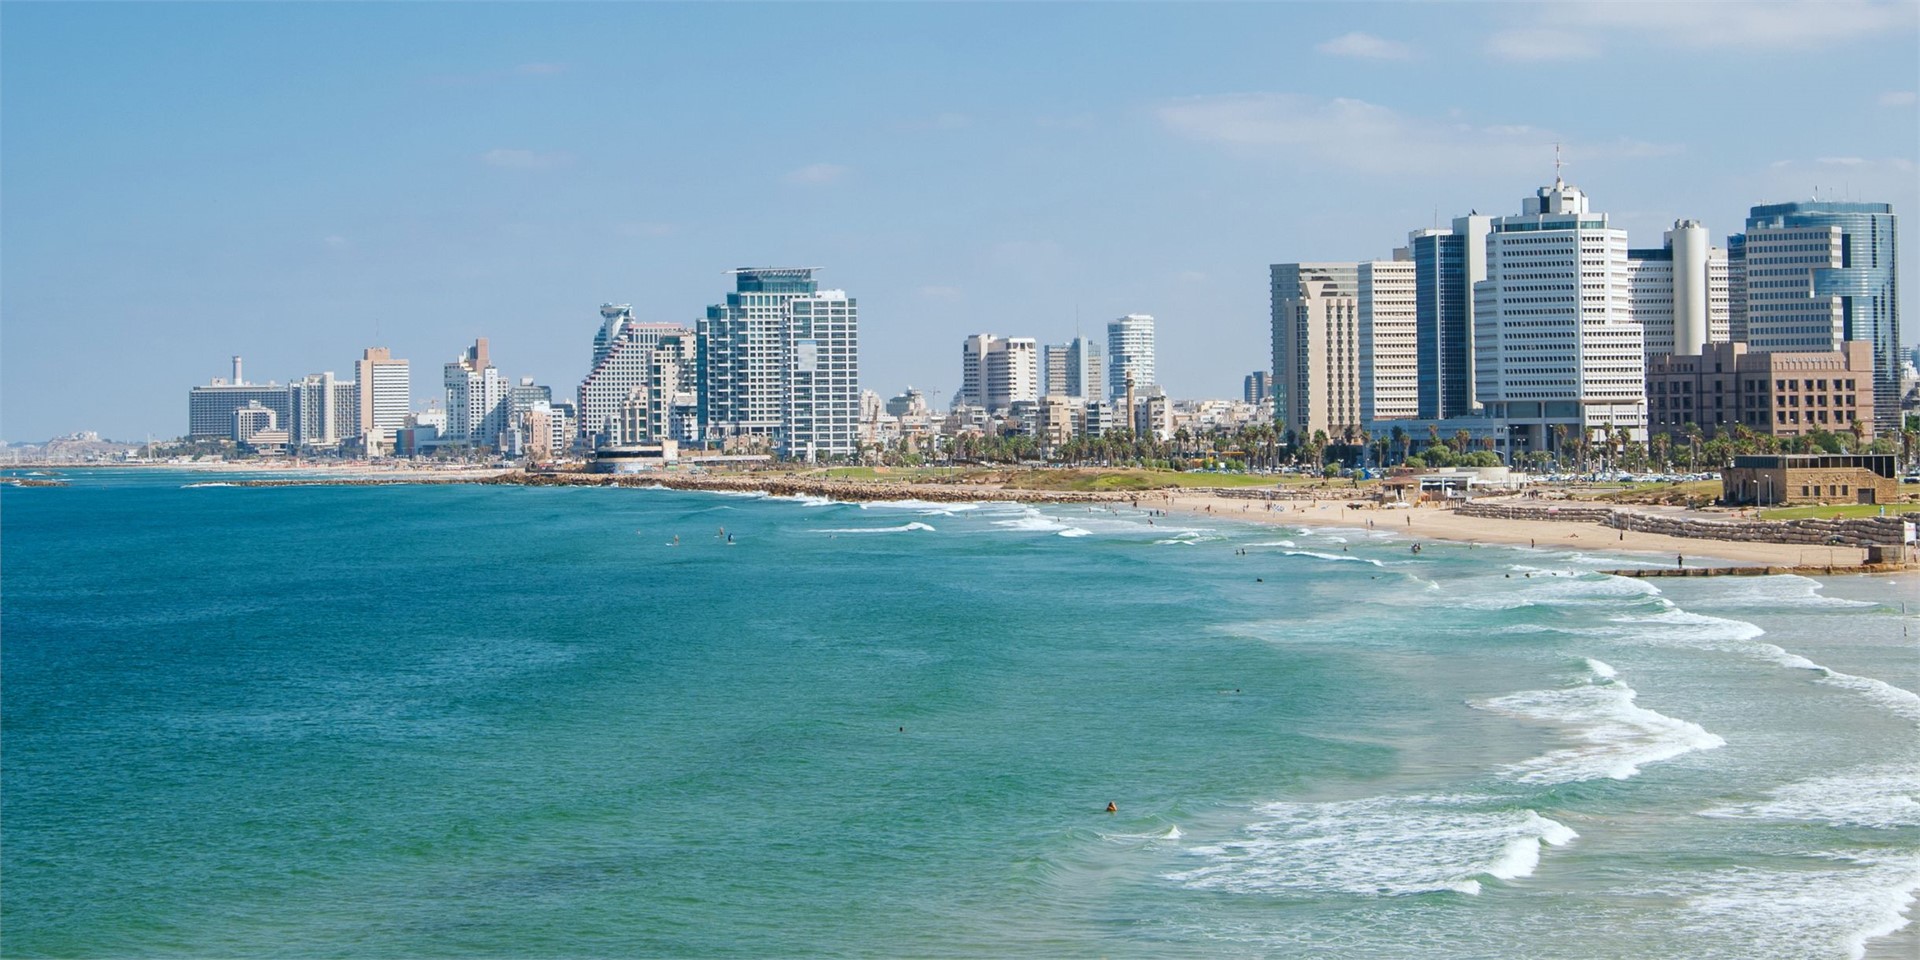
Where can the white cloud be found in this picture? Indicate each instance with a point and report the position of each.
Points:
(1746, 24)
(940, 292)
(336, 241)
(1365, 46)
(525, 159)
(1898, 98)
(1353, 134)
(1532, 45)
(1580, 29)
(816, 173)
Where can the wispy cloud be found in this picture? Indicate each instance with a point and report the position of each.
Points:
(1534, 45)
(336, 242)
(940, 292)
(1582, 29)
(514, 159)
(1353, 134)
(817, 173)
(1190, 276)
(1365, 46)
(1898, 98)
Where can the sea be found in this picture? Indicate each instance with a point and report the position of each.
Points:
(483, 721)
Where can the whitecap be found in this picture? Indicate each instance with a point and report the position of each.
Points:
(903, 528)
(1076, 532)
(1381, 846)
(1811, 912)
(211, 483)
(1333, 556)
(1616, 737)
(1601, 669)
(1778, 590)
(1884, 797)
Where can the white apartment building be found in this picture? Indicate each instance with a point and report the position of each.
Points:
(322, 411)
(1784, 309)
(820, 379)
(1011, 373)
(386, 397)
(625, 364)
(1074, 369)
(1316, 347)
(476, 398)
(1389, 367)
(1130, 346)
(1555, 341)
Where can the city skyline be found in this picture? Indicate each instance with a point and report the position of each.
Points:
(178, 192)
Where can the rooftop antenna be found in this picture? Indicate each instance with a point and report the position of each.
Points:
(1557, 163)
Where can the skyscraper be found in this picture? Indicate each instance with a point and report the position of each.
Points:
(475, 396)
(623, 351)
(386, 396)
(1129, 351)
(1820, 273)
(1012, 373)
(1555, 343)
(1255, 386)
(1316, 347)
(1447, 263)
(210, 408)
(1678, 292)
(1388, 360)
(973, 370)
(779, 360)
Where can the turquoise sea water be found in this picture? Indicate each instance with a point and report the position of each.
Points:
(452, 721)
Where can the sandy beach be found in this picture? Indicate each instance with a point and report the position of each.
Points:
(1433, 523)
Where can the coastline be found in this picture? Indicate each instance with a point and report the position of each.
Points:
(1417, 523)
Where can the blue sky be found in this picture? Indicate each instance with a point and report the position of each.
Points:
(293, 182)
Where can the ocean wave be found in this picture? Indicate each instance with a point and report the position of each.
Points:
(903, 528)
(1382, 846)
(1883, 797)
(203, 485)
(1778, 590)
(804, 499)
(1676, 627)
(1032, 521)
(921, 506)
(1076, 532)
(1811, 912)
(1333, 556)
(1616, 736)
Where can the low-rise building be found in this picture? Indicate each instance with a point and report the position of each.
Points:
(1782, 394)
(1811, 478)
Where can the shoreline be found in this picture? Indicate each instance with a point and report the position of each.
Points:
(1416, 523)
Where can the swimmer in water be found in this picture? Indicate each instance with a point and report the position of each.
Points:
(1111, 808)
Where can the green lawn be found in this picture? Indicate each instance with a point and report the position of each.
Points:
(1840, 510)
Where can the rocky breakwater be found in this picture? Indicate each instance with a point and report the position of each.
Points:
(1856, 532)
(793, 486)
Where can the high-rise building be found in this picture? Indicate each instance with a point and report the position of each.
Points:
(1678, 292)
(1556, 348)
(386, 397)
(1447, 263)
(475, 397)
(1130, 346)
(779, 360)
(623, 364)
(1389, 370)
(1820, 273)
(1053, 370)
(1316, 347)
(1086, 370)
(324, 411)
(973, 370)
(211, 407)
(1256, 386)
(1012, 373)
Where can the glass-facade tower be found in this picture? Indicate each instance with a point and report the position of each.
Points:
(1443, 338)
(1800, 287)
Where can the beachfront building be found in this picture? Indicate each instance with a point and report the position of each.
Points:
(624, 365)
(321, 411)
(1811, 478)
(1816, 274)
(1447, 263)
(778, 365)
(385, 387)
(1316, 347)
(211, 407)
(973, 370)
(1389, 369)
(1556, 348)
(1130, 349)
(1011, 373)
(475, 399)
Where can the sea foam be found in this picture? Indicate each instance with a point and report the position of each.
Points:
(1882, 797)
(1381, 846)
(1821, 911)
(1616, 737)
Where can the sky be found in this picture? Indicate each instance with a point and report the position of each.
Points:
(293, 182)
